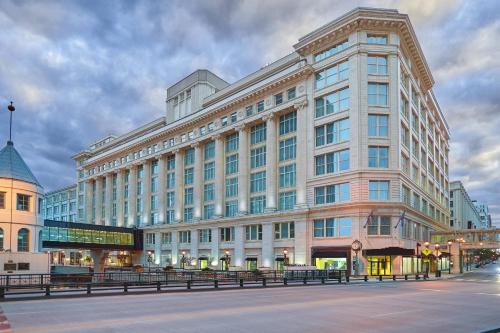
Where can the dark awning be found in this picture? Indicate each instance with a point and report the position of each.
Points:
(331, 252)
(251, 259)
(280, 259)
(444, 255)
(224, 258)
(203, 258)
(390, 251)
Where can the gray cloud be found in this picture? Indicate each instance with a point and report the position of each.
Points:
(82, 69)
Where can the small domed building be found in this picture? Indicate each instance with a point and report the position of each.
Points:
(21, 220)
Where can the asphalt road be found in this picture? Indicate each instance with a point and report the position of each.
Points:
(465, 304)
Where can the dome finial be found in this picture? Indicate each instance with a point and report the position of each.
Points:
(11, 108)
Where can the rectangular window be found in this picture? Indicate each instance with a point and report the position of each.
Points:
(258, 182)
(257, 204)
(189, 156)
(226, 234)
(209, 171)
(376, 39)
(232, 208)
(258, 133)
(379, 226)
(205, 235)
(287, 176)
(258, 157)
(170, 180)
(332, 193)
(234, 117)
(188, 196)
(278, 99)
(253, 232)
(249, 110)
(171, 162)
(332, 162)
(331, 75)
(332, 103)
(287, 200)
(284, 230)
(232, 142)
(405, 136)
(223, 121)
(331, 51)
(209, 192)
(185, 236)
(291, 93)
(208, 211)
(288, 123)
(404, 107)
(150, 238)
(188, 176)
(377, 65)
(23, 202)
(231, 164)
(378, 157)
(260, 106)
(379, 190)
(231, 187)
(288, 149)
(188, 214)
(170, 199)
(209, 150)
(332, 227)
(334, 132)
(166, 237)
(377, 94)
(170, 216)
(378, 125)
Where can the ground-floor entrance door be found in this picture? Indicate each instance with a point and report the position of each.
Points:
(380, 265)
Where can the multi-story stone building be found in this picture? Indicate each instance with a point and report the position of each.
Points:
(327, 145)
(484, 214)
(464, 214)
(60, 204)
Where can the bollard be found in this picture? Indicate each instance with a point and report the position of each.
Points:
(89, 286)
(305, 280)
(322, 280)
(158, 286)
(366, 278)
(394, 278)
(47, 290)
(189, 284)
(241, 282)
(340, 278)
(264, 282)
(347, 278)
(125, 287)
(417, 277)
(406, 277)
(285, 281)
(380, 277)
(216, 283)
(2, 292)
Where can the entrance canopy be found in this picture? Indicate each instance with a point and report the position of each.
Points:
(331, 252)
(70, 235)
(390, 251)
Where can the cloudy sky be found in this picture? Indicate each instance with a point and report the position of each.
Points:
(78, 70)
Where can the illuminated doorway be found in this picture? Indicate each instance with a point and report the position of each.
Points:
(380, 265)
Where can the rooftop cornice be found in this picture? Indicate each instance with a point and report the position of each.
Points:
(365, 18)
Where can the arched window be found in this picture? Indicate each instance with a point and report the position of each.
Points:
(23, 240)
(1, 239)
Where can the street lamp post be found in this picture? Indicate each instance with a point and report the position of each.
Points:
(150, 259)
(449, 257)
(285, 258)
(226, 259)
(436, 246)
(427, 264)
(183, 259)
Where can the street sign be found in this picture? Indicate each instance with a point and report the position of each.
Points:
(426, 251)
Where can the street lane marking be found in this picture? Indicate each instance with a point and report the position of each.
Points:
(487, 294)
(431, 289)
(394, 313)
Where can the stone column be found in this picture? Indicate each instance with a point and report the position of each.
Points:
(243, 171)
(300, 164)
(219, 176)
(194, 245)
(174, 253)
(162, 189)
(132, 196)
(300, 242)
(146, 195)
(89, 192)
(215, 247)
(119, 198)
(157, 256)
(267, 245)
(109, 199)
(179, 186)
(239, 246)
(198, 181)
(271, 163)
(98, 200)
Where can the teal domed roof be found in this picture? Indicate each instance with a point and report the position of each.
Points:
(12, 165)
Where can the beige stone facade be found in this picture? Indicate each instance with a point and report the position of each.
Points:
(343, 128)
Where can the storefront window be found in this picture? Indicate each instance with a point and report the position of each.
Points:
(380, 265)
(331, 263)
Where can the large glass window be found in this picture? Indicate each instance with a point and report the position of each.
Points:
(377, 65)
(332, 162)
(253, 232)
(284, 230)
(258, 182)
(226, 234)
(287, 200)
(377, 94)
(209, 172)
(231, 164)
(331, 51)
(2, 200)
(332, 103)
(188, 196)
(378, 157)
(376, 39)
(232, 208)
(287, 175)
(189, 156)
(334, 132)
(378, 125)
(232, 142)
(23, 240)
(258, 133)
(288, 123)
(209, 150)
(185, 236)
(331, 75)
(379, 225)
(188, 176)
(379, 190)
(231, 187)
(258, 157)
(208, 211)
(205, 235)
(333, 227)
(288, 149)
(332, 193)
(257, 204)
(209, 192)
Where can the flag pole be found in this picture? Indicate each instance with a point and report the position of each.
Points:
(11, 108)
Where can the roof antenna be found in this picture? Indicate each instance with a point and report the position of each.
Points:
(11, 108)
